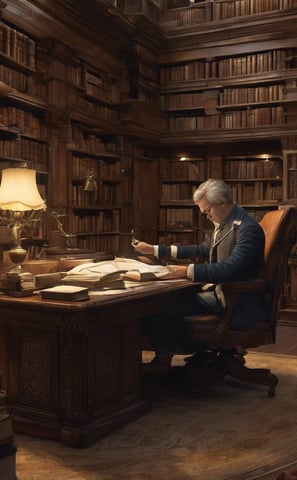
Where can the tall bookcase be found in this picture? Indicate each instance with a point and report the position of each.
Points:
(88, 144)
(95, 214)
(23, 112)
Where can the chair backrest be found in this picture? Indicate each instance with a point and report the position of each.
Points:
(279, 228)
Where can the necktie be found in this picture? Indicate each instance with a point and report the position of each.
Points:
(215, 233)
(214, 239)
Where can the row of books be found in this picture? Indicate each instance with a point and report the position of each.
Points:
(17, 45)
(235, 96)
(177, 191)
(237, 8)
(255, 192)
(181, 100)
(23, 121)
(229, 96)
(184, 123)
(253, 117)
(90, 142)
(15, 79)
(250, 117)
(187, 16)
(96, 82)
(103, 168)
(100, 243)
(292, 184)
(255, 63)
(176, 218)
(187, 170)
(245, 169)
(103, 221)
(98, 91)
(24, 149)
(219, 10)
(268, 61)
(93, 108)
(107, 196)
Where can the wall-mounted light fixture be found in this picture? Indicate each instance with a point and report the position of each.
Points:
(91, 183)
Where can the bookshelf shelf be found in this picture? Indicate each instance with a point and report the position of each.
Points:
(182, 13)
(178, 216)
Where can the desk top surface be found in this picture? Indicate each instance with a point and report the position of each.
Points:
(99, 298)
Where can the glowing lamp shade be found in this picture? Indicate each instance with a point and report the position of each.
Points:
(18, 190)
(19, 196)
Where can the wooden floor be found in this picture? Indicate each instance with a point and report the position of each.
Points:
(286, 344)
(286, 341)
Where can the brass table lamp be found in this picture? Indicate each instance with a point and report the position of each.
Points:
(19, 200)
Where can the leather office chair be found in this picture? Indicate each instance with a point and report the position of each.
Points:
(221, 342)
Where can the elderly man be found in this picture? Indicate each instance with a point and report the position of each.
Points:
(233, 252)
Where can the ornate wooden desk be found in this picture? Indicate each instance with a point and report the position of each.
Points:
(71, 370)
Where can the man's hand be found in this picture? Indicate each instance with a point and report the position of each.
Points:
(143, 247)
(176, 271)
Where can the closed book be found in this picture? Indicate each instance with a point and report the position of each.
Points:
(17, 281)
(47, 280)
(92, 281)
(65, 293)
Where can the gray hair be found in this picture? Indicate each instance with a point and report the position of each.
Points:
(213, 190)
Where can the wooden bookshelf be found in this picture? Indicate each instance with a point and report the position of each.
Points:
(23, 113)
(290, 175)
(255, 181)
(93, 216)
(181, 13)
(179, 219)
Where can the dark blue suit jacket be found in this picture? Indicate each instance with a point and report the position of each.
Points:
(236, 255)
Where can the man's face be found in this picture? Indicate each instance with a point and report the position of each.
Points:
(215, 212)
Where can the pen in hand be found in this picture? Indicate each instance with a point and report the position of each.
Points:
(134, 241)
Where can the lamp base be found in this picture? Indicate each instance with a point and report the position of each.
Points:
(17, 255)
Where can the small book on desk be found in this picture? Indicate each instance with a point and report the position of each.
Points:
(72, 293)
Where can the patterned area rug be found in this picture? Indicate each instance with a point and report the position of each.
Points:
(231, 432)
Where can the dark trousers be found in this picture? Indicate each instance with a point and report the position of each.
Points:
(166, 332)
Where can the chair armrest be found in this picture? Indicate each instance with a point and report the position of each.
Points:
(235, 291)
(246, 286)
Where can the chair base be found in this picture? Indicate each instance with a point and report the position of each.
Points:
(211, 367)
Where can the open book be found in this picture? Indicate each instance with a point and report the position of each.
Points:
(113, 272)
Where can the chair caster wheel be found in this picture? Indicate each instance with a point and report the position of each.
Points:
(273, 384)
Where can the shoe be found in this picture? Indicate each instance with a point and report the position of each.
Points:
(201, 358)
(159, 365)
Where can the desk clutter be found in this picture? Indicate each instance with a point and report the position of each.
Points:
(75, 283)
